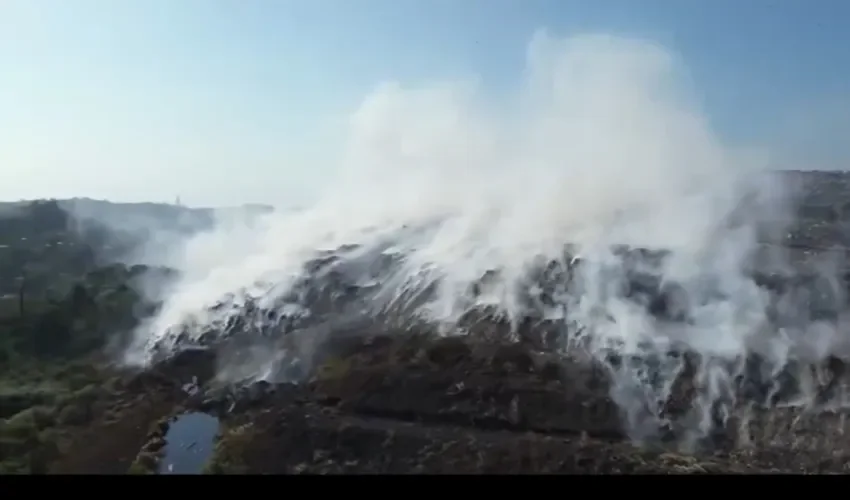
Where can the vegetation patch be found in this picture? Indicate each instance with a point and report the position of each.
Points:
(149, 457)
(231, 446)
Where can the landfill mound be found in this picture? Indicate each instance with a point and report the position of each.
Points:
(329, 390)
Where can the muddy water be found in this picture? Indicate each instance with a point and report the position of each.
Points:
(189, 444)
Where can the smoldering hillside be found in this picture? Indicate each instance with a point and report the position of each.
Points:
(598, 211)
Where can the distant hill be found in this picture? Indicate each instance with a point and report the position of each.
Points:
(156, 227)
(12, 208)
(160, 216)
(165, 213)
(133, 217)
(812, 188)
(115, 230)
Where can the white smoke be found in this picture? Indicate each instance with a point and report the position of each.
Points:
(602, 147)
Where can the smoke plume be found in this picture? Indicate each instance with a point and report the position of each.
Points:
(599, 177)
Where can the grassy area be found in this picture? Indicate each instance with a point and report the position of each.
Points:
(59, 314)
(54, 376)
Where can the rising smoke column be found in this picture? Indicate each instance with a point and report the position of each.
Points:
(602, 146)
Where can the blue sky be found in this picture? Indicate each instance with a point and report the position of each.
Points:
(229, 101)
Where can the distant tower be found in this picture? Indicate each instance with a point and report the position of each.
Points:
(177, 201)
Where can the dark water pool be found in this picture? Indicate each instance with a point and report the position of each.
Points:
(188, 444)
